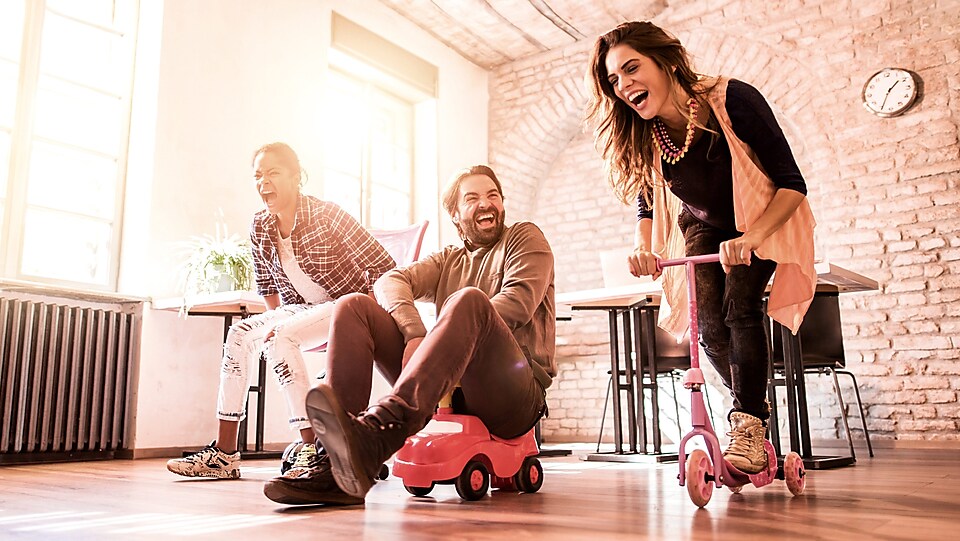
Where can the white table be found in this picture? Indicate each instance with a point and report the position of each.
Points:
(630, 300)
(231, 305)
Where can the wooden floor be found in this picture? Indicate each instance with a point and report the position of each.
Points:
(901, 494)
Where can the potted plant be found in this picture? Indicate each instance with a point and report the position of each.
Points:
(219, 262)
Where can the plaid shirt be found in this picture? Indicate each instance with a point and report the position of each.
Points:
(330, 246)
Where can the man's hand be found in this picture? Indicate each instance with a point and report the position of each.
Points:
(737, 251)
(643, 263)
(408, 350)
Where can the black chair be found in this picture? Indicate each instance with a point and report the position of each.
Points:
(670, 359)
(821, 351)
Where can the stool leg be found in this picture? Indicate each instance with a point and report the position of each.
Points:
(863, 418)
(676, 403)
(843, 411)
(603, 417)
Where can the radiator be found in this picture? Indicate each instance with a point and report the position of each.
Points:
(64, 377)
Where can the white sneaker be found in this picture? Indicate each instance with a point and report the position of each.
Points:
(207, 462)
(746, 451)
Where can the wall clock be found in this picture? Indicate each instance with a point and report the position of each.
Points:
(891, 91)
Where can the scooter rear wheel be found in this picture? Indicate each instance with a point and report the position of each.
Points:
(699, 477)
(794, 474)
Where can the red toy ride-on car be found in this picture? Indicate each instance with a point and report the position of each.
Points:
(459, 450)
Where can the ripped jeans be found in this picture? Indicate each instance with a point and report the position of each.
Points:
(297, 327)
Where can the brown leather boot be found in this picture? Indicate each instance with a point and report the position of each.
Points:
(357, 446)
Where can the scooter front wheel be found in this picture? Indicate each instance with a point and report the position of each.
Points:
(699, 477)
(794, 474)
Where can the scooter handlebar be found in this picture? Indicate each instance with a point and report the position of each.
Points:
(696, 260)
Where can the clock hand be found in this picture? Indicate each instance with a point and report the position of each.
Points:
(887, 95)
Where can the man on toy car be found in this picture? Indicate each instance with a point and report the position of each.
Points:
(495, 335)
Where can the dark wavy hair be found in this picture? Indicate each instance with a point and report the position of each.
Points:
(452, 192)
(624, 139)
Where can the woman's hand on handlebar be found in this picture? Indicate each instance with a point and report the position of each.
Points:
(643, 263)
(737, 251)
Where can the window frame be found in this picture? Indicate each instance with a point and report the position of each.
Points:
(372, 84)
(23, 136)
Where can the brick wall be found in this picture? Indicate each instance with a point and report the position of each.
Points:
(884, 191)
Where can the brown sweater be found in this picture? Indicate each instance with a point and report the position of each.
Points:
(517, 275)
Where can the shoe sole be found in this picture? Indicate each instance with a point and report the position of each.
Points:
(748, 470)
(285, 494)
(213, 474)
(330, 424)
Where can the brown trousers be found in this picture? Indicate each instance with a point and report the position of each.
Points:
(470, 344)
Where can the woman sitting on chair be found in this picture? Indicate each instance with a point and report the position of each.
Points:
(306, 253)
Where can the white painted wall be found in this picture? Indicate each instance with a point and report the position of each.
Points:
(227, 77)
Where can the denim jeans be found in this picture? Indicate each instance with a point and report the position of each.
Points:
(470, 345)
(296, 327)
(730, 316)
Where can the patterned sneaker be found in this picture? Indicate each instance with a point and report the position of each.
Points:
(746, 452)
(208, 462)
(306, 458)
(309, 485)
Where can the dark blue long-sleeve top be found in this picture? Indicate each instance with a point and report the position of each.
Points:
(703, 179)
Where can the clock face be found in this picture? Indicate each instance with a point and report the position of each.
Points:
(889, 92)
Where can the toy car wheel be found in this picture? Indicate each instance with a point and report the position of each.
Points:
(530, 476)
(419, 491)
(794, 474)
(699, 477)
(473, 481)
(290, 456)
(383, 473)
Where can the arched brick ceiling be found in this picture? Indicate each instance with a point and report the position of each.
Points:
(490, 33)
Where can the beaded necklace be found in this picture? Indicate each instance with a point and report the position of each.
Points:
(669, 151)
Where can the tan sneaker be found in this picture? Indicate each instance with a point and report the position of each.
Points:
(208, 462)
(746, 452)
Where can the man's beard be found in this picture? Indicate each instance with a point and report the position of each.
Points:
(471, 231)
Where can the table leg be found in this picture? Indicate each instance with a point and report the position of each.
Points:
(797, 406)
(615, 378)
(630, 376)
(791, 388)
(645, 314)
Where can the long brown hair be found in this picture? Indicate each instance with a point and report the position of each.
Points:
(624, 139)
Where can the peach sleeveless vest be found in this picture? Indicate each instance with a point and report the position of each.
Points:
(791, 246)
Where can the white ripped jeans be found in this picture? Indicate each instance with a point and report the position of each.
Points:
(297, 327)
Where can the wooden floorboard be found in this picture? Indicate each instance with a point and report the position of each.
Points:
(902, 494)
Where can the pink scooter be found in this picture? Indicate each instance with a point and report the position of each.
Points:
(457, 449)
(702, 470)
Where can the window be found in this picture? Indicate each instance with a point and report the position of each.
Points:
(369, 152)
(66, 72)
